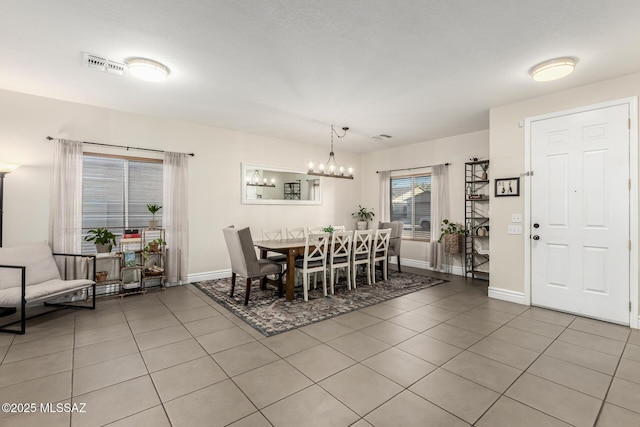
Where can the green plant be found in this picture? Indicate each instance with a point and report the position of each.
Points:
(363, 214)
(153, 208)
(152, 246)
(484, 166)
(448, 227)
(101, 236)
(328, 229)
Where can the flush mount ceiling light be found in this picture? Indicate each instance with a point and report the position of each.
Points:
(553, 69)
(147, 69)
(331, 168)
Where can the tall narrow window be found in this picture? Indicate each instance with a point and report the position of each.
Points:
(116, 191)
(411, 204)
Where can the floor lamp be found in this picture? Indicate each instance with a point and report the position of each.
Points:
(5, 168)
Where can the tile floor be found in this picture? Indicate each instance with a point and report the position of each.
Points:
(443, 356)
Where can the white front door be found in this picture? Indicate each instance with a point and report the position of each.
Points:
(580, 213)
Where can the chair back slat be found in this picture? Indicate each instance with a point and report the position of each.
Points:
(272, 234)
(296, 232)
(381, 243)
(341, 244)
(315, 248)
(362, 242)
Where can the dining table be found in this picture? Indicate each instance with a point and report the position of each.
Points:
(289, 247)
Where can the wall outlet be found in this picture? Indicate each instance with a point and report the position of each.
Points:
(516, 217)
(514, 229)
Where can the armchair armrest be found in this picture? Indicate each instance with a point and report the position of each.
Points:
(91, 275)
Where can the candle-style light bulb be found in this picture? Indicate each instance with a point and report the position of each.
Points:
(350, 170)
(321, 167)
(310, 166)
(341, 171)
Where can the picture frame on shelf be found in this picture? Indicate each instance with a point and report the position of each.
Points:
(507, 187)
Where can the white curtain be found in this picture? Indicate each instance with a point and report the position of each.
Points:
(65, 219)
(175, 216)
(385, 196)
(439, 211)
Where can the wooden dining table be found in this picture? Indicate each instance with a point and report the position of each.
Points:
(289, 247)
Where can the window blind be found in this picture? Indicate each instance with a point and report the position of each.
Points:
(411, 204)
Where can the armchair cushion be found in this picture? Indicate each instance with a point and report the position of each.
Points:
(41, 291)
(41, 266)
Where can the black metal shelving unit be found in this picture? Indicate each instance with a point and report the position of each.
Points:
(476, 217)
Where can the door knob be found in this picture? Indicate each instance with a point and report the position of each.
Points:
(536, 225)
(535, 237)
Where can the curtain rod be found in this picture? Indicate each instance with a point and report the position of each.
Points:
(417, 167)
(123, 146)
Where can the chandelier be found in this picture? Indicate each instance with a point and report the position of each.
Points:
(331, 168)
(254, 180)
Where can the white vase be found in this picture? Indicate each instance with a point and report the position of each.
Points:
(362, 225)
(153, 224)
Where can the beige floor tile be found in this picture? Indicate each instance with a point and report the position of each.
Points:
(326, 330)
(48, 419)
(495, 316)
(632, 352)
(37, 348)
(409, 409)
(244, 358)
(132, 302)
(454, 335)
(37, 367)
(508, 307)
(7, 339)
(116, 402)
(430, 349)
(634, 338)
(592, 342)
(399, 366)
(415, 322)
(356, 320)
(52, 388)
(271, 382)
(188, 377)
(320, 362)
(528, 340)
(209, 325)
(152, 323)
(382, 311)
(405, 304)
(172, 354)
(545, 329)
(615, 416)
(42, 332)
(556, 400)
(474, 324)
(224, 340)
(629, 370)
(424, 298)
(254, 420)
(454, 305)
(549, 316)
(103, 351)
(510, 413)
(591, 359)
(482, 370)
(146, 312)
(161, 337)
(154, 417)
(518, 357)
(457, 395)
(103, 374)
(360, 388)
(361, 423)
(3, 351)
(311, 407)
(625, 394)
(100, 320)
(192, 314)
(289, 343)
(604, 329)
(105, 333)
(358, 346)
(388, 332)
(585, 380)
(434, 313)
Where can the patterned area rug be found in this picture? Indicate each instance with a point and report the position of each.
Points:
(272, 315)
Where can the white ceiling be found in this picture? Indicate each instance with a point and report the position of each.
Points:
(414, 69)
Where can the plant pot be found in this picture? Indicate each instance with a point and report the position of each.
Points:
(453, 243)
(153, 247)
(101, 276)
(362, 225)
(484, 176)
(153, 224)
(103, 248)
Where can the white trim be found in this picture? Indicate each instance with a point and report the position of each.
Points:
(209, 275)
(507, 295)
(634, 236)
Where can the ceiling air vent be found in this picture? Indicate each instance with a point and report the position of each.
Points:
(102, 64)
(382, 136)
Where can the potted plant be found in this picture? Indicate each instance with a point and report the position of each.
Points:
(103, 239)
(328, 229)
(484, 167)
(152, 246)
(153, 208)
(364, 216)
(451, 233)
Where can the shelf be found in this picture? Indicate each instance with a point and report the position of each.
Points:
(476, 217)
(477, 181)
(478, 272)
(480, 199)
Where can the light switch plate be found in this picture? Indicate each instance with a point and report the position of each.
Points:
(514, 229)
(516, 217)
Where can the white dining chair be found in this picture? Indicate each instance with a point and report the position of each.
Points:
(314, 261)
(296, 232)
(379, 249)
(361, 254)
(274, 234)
(339, 228)
(340, 250)
(315, 230)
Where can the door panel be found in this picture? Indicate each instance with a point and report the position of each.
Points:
(580, 198)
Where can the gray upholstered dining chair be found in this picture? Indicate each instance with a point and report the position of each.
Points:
(396, 239)
(244, 261)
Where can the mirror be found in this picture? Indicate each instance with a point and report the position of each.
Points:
(263, 185)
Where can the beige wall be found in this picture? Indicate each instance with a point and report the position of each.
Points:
(507, 160)
(455, 150)
(214, 173)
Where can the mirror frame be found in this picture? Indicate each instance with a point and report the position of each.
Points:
(244, 167)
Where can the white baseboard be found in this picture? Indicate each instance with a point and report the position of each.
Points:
(209, 275)
(459, 271)
(507, 295)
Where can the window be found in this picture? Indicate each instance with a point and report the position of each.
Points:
(411, 204)
(115, 194)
